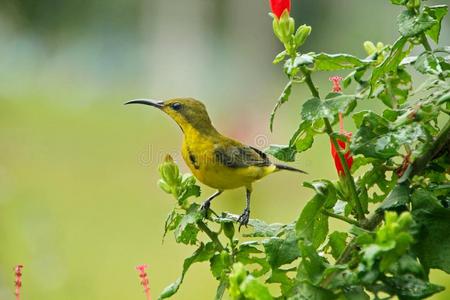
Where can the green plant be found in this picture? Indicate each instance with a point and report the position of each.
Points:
(392, 186)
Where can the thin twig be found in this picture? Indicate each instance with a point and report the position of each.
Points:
(342, 218)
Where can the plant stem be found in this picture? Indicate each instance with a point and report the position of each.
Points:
(425, 43)
(342, 218)
(210, 234)
(420, 163)
(329, 130)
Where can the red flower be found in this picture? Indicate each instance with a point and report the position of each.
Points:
(348, 156)
(279, 6)
(18, 281)
(336, 80)
(144, 280)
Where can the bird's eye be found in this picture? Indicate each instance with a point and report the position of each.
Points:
(176, 106)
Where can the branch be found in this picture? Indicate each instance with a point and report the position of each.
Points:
(342, 218)
(210, 234)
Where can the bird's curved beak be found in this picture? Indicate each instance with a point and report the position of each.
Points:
(155, 103)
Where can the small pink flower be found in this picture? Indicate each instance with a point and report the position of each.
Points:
(144, 280)
(336, 80)
(18, 281)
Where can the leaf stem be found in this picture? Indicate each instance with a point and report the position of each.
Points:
(340, 217)
(212, 235)
(425, 43)
(329, 130)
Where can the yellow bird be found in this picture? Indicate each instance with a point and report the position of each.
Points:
(215, 160)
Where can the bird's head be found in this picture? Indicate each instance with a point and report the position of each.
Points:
(187, 112)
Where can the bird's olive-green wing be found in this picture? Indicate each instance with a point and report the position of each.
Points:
(240, 156)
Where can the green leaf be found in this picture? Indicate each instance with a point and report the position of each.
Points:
(282, 152)
(312, 265)
(203, 253)
(409, 286)
(428, 63)
(187, 230)
(334, 62)
(397, 199)
(284, 97)
(280, 57)
(292, 67)
(410, 24)
(306, 291)
(312, 225)
(337, 243)
(433, 239)
(437, 12)
(245, 286)
(259, 228)
(280, 251)
(172, 221)
(399, 2)
(390, 62)
(315, 109)
(303, 137)
(396, 88)
(375, 137)
(220, 264)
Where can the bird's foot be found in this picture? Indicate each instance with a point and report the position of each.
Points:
(244, 218)
(205, 207)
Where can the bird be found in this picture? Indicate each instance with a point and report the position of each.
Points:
(215, 160)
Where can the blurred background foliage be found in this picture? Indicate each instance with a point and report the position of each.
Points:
(79, 206)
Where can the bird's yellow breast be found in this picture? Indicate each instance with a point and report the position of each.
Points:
(199, 154)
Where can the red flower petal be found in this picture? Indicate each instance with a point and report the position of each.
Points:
(279, 6)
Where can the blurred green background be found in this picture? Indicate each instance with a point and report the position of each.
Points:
(79, 205)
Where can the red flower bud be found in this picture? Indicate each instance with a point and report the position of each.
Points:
(336, 80)
(279, 6)
(348, 156)
(144, 280)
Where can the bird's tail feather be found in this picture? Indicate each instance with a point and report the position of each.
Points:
(284, 167)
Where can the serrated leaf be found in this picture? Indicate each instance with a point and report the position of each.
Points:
(203, 253)
(428, 63)
(433, 239)
(437, 12)
(282, 152)
(312, 225)
(292, 67)
(375, 138)
(410, 24)
(306, 291)
(315, 109)
(280, 251)
(337, 243)
(303, 137)
(334, 62)
(398, 198)
(409, 286)
(312, 265)
(220, 263)
(390, 62)
(187, 230)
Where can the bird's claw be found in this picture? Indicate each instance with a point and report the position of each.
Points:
(244, 218)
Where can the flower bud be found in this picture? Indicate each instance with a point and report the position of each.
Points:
(302, 34)
(278, 7)
(169, 171)
(369, 47)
